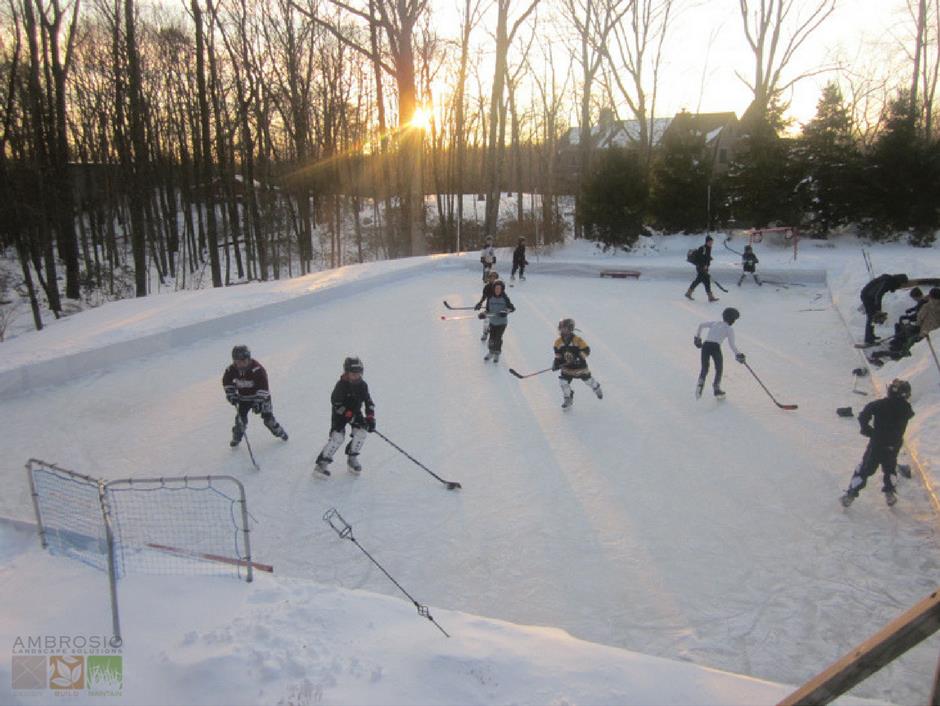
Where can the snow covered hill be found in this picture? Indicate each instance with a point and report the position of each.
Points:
(704, 531)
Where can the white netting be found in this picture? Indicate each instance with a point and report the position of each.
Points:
(178, 526)
(159, 526)
(70, 514)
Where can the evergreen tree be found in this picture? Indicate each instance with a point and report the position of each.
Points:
(828, 165)
(760, 182)
(680, 176)
(903, 178)
(613, 198)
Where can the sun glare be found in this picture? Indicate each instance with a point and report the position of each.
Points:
(421, 119)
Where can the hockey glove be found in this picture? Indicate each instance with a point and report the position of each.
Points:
(232, 398)
(740, 357)
(481, 315)
(697, 341)
(261, 406)
(556, 365)
(477, 306)
(867, 430)
(370, 423)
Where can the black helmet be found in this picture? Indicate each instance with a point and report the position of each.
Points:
(730, 315)
(352, 364)
(500, 283)
(493, 275)
(899, 388)
(566, 326)
(241, 353)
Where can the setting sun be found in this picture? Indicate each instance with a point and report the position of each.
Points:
(421, 119)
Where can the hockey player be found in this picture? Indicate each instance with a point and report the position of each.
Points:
(487, 293)
(349, 396)
(245, 383)
(487, 257)
(498, 308)
(871, 296)
(518, 261)
(701, 257)
(890, 415)
(749, 265)
(718, 331)
(571, 352)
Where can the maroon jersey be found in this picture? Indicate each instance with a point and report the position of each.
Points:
(251, 383)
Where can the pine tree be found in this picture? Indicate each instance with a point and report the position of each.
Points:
(760, 182)
(902, 178)
(613, 198)
(680, 176)
(828, 165)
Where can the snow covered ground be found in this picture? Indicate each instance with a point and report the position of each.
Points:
(700, 531)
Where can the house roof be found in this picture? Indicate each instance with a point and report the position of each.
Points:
(624, 133)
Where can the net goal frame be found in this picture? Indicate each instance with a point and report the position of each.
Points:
(167, 525)
(781, 236)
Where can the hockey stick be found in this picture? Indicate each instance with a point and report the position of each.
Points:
(457, 308)
(523, 377)
(344, 530)
(212, 557)
(449, 484)
(251, 453)
(781, 406)
(725, 243)
(471, 316)
(930, 343)
(718, 284)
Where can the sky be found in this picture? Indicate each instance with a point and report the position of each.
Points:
(707, 45)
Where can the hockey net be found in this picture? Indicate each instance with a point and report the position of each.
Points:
(188, 525)
(781, 237)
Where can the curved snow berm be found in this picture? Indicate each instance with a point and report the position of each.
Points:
(134, 328)
(202, 640)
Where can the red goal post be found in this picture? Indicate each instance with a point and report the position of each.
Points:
(781, 236)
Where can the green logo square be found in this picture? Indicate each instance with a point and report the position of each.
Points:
(104, 672)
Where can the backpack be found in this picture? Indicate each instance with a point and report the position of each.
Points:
(692, 256)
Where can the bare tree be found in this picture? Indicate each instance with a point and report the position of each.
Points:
(775, 31)
(505, 33)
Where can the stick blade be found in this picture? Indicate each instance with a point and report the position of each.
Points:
(788, 406)
(453, 485)
(512, 370)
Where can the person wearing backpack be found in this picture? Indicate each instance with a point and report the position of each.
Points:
(701, 257)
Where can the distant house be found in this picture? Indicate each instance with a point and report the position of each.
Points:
(721, 132)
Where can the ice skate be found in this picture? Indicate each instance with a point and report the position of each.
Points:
(719, 393)
(568, 401)
(891, 497)
(238, 431)
(321, 465)
(847, 499)
(597, 390)
(688, 295)
(496, 357)
(698, 388)
(522, 278)
(740, 280)
(712, 298)
(352, 464)
(488, 356)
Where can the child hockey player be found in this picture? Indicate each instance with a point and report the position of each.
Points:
(749, 265)
(246, 388)
(890, 415)
(711, 347)
(487, 293)
(498, 308)
(349, 395)
(487, 257)
(701, 257)
(571, 354)
(518, 261)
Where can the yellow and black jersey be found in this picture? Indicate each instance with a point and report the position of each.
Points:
(573, 353)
